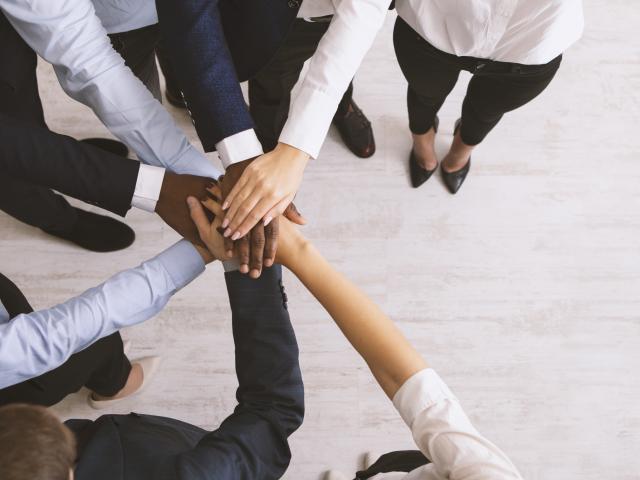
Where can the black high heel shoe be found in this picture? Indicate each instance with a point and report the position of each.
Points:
(454, 180)
(420, 175)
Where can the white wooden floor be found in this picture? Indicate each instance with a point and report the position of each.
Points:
(523, 290)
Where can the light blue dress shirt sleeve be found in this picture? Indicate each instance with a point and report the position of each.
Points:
(32, 344)
(69, 35)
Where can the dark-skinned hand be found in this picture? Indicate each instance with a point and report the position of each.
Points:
(172, 204)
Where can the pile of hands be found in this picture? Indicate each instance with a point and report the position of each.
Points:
(195, 208)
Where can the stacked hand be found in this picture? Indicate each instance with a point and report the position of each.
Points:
(290, 240)
(172, 206)
(253, 250)
(255, 243)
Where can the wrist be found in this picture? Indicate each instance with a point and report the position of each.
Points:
(289, 151)
(207, 256)
(297, 254)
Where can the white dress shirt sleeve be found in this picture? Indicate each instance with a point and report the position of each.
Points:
(69, 35)
(239, 147)
(316, 97)
(32, 344)
(445, 435)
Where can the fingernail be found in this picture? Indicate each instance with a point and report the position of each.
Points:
(191, 201)
(225, 205)
(229, 253)
(268, 262)
(235, 236)
(254, 274)
(225, 223)
(244, 269)
(227, 232)
(267, 221)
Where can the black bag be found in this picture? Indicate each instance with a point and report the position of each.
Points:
(402, 461)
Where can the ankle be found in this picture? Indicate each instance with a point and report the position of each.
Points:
(454, 161)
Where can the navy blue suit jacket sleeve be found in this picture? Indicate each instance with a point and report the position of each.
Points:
(193, 37)
(252, 443)
(31, 154)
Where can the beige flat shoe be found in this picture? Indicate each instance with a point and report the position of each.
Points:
(149, 366)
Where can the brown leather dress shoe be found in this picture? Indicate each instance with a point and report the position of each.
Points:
(356, 132)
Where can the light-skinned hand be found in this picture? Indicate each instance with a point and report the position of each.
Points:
(264, 190)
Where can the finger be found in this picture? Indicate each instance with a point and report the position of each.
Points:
(255, 216)
(213, 206)
(278, 210)
(242, 247)
(216, 191)
(246, 213)
(271, 232)
(232, 210)
(242, 205)
(198, 216)
(228, 246)
(239, 185)
(257, 251)
(292, 213)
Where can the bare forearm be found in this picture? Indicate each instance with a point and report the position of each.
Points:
(389, 355)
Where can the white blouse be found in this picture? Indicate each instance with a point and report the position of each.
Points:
(530, 32)
(444, 433)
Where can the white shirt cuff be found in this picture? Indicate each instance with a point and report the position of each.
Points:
(420, 391)
(239, 147)
(148, 186)
(309, 120)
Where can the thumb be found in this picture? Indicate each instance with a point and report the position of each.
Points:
(198, 216)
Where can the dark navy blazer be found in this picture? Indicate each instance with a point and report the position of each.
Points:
(251, 444)
(214, 44)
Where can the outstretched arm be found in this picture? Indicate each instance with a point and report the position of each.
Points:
(69, 35)
(34, 343)
(269, 184)
(437, 421)
(390, 356)
(252, 443)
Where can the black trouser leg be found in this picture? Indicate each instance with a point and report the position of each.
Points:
(430, 77)
(19, 99)
(270, 89)
(101, 367)
(490, 95)
(170, 78)
(138, 49)
(343, 106)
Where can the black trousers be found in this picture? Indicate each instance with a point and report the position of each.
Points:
(495, 89)
(102, 367)
(270, 89)
(19, 98)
